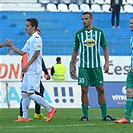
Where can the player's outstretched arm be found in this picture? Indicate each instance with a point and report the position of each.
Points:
(1, 45)
(15, 49)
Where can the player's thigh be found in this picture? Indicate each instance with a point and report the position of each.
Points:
(33, 83)
(83, 77)
(96, 77)
(129, 81)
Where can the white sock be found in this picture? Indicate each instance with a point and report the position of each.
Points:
(41, 102)
(25, 104)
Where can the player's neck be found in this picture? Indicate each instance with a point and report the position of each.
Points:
(88, 28)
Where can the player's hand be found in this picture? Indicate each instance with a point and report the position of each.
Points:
(48, 77)
(106, 68)
(131, 70)
(73, 71)
(26, 67)
(8, 43)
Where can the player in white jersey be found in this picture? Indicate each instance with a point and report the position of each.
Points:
(32, 70)
(129, 86)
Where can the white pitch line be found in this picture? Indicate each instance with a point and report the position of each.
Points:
(71, 125)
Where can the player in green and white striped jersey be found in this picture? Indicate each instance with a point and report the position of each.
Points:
(129, 86)
(88, 41)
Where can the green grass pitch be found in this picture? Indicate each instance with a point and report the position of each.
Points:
(64, 121)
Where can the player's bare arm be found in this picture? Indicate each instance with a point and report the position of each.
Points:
(74, 55)
(15, 49)
(106, 56)
(36, 54)
(1, 45)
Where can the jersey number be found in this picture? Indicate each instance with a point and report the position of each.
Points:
(81, 80)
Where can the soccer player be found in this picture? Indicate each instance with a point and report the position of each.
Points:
(129, 86)
(89, 39)
(38, 114)
(32, 70)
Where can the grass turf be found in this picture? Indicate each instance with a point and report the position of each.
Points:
(64, 121)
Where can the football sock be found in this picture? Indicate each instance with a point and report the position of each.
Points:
(41, 102)
(104, 110)
(128, 108)
(20, 109)
(85, 110)
(25, 104)
(37, 108)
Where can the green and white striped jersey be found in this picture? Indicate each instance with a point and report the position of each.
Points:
(131, 45)
(88, 43)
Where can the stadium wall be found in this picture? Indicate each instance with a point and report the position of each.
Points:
(63, 94)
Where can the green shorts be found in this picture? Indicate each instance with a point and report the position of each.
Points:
(90, 77)
(129, 81)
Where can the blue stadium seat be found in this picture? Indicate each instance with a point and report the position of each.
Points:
(58, 29)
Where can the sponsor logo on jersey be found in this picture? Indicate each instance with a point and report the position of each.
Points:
(89, 42)
(39, 46)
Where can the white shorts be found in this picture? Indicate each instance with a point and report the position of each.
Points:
(31, 83)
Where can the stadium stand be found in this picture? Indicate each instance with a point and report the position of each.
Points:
(85, 8)
(52, 7)
(96, 8)
(128, 8)
(63, 8)
(74, 8)
(130, 2)
(58, 27)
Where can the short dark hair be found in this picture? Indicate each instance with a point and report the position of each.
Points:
(84, 13)
(33, 21)
(58, 59)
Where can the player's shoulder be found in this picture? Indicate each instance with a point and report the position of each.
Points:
(80, 30)
(97, 28)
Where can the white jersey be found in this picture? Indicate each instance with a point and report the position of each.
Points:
(33, 44)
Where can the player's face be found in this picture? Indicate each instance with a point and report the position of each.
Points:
(86, 20)
(29, 29)
(131, 24)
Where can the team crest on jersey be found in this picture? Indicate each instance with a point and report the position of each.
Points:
(39, 46)
(89, 42)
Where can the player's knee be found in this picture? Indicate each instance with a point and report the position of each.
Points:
(100, 90)
(129, 93)
(84, 90)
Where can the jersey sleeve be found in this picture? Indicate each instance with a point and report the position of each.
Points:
(76, 41)
(103, 40)
(37, 43)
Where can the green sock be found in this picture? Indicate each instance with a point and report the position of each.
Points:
(104, 110)
(85, 110)
(128, 108)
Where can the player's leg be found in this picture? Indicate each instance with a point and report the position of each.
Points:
(83, 81)
(129, 101)
(97, 80)
(20, 110)
(35, 82)
(25, 101)
(38, 114)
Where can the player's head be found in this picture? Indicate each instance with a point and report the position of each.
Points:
(87, 19)
(31, 25)
(131, 23)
